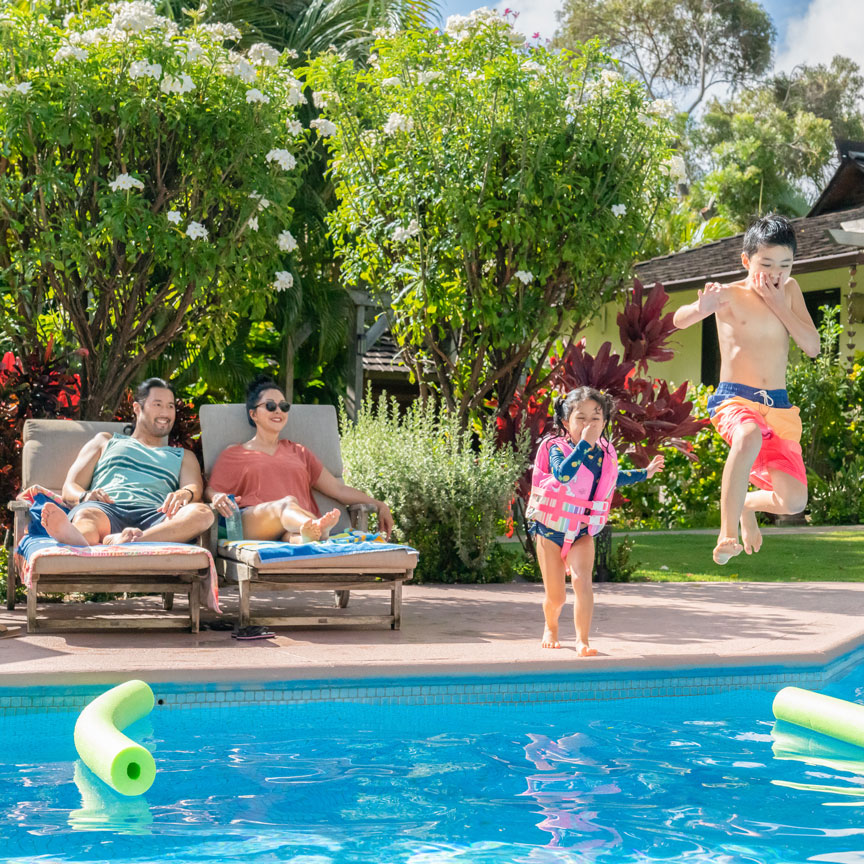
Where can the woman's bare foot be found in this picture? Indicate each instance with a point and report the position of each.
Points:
(127, 535)
(319, 529)
(751, 536)
(584, 650)
(58, 526)
(550, 638)
(726, 548)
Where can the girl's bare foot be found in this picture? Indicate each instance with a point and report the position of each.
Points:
(58, 526)
(726, 548)
(751, 536)
(127, 535)
(583, 650)
(550, 638)
(319, 529)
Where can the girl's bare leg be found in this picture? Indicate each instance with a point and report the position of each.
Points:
(746, 443)
(580, 561)
(286, 519)
(555, 585)
(788, 496)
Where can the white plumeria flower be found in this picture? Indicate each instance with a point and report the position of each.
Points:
(662, 108)
(174, 84)
(242, 69)
(144, 69)
(221, 32)
(295, 92)
(24, 87)
(262, 54)
(608, 77)
(294, 127)
(428, 77)
(174, 217)
(252, 224)
(285, 159)
(122, 182)
(255, 95)
(400, 234)
(395, 81)
(325, 127)
(287, 243)
(263, 203)
(284, 280)
(676, 168)
(196, 231)
(70, 52)
(191, 51)
(398, 123)
(290, 52)
(619, 209)
(524, 276)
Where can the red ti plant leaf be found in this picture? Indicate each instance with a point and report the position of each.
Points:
(643, 329)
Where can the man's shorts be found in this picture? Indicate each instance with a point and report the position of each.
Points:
(123, 515)
(732, 405)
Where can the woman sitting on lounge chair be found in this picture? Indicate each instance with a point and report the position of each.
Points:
(272, 479)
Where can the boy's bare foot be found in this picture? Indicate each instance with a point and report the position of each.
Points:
(751, 536)
(127, 535)
(583, 650)
(726, 548)
(319, 529)
(58, 526)
(550, 638)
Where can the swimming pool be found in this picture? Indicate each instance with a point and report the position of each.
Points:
(425, 772)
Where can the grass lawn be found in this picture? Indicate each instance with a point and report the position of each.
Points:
(831, 557)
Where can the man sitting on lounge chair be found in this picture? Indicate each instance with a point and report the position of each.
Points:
(124, 488)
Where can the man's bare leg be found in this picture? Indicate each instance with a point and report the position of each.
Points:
(127, 535)
(788, 496)
(746, 443)
(580, 560)
(58, 526)
(555, 585)
(189, 522)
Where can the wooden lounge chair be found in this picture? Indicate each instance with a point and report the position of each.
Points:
(315, 427)
(50, 447)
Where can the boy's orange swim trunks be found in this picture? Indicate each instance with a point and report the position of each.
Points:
(780, 422)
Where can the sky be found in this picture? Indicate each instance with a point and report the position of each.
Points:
(808, 31)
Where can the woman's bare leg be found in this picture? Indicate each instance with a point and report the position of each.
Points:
(286, 519)
(580, 560)
(555, 584)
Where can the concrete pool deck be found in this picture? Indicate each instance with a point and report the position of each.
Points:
(468, 630)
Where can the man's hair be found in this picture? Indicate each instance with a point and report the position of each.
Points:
(254, 389)
(770, 230)
(142, 391)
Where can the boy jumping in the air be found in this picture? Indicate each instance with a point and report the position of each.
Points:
(750, 408)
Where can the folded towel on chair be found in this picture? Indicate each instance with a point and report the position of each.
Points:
(349, 543)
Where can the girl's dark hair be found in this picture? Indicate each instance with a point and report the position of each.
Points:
(565, 405)
(142, 391)
(254, 389)
(770, 230)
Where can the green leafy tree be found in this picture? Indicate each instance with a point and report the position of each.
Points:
(676, 48)
(492, 196)
(146, 178)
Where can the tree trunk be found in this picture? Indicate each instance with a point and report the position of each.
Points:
(602, 553)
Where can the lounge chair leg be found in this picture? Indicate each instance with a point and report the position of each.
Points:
(31, 608)
(195, 605)
(396, 605)
(243, 589)
(342, 598)
(10, 582)
(167, 601)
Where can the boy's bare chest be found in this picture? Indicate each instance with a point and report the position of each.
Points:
(749, 317)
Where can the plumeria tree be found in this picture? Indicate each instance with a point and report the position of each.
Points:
(146, 179)
(492, 195)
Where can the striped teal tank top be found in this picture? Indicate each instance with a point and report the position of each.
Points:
(133, 473)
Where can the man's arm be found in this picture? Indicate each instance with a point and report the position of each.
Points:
(191, 486)
(796, 319)
(80, 474)
(708, 300)
(336, 489)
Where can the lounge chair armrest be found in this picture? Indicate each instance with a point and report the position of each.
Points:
(18, 506)
(359, 515)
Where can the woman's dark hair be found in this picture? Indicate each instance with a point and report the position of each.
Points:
(142, 391)
(770, 230)
(254, 389)
(565, 405)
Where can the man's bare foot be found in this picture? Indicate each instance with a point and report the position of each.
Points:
(751, 536)
(58, 526)
(550, 638)
(127, 535)
(726, 548)
(584, 650)
(319, 529)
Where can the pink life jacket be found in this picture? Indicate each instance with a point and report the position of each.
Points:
(565, 507)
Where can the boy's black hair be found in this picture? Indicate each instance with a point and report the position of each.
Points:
(770, 230)
(254, 389)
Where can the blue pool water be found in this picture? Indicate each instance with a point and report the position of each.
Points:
(688, 779)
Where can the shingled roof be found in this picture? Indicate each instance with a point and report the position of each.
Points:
(721, 260)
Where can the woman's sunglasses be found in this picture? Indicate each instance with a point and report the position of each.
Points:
(271, 405)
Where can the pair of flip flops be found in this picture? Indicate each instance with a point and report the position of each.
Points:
(253, 632)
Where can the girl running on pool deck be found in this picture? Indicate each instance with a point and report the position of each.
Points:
(575, 475)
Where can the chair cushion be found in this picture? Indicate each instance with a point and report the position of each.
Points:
(60, 563)
(391, 560)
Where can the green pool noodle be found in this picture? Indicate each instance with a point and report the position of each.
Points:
(836, 718)
(124, 765)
